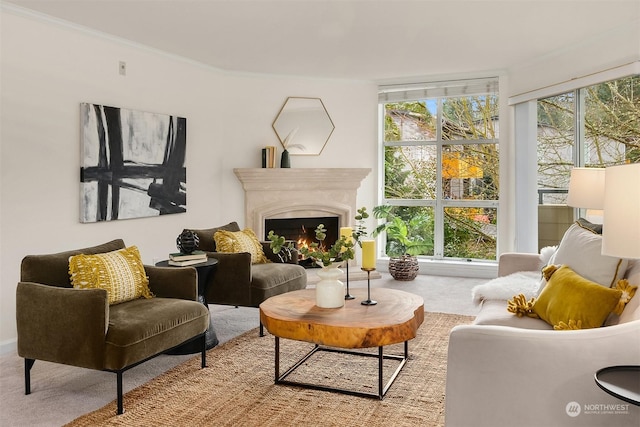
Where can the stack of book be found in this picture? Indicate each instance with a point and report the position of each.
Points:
(269, 156)
(181, 260)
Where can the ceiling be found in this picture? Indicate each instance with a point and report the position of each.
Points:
(383, 40)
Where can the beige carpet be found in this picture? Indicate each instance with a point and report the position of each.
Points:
(237, 387)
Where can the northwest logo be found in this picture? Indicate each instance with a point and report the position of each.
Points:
(573, 409)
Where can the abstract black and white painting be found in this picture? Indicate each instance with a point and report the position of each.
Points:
(133, 164)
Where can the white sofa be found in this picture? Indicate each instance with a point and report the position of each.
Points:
(510, 371)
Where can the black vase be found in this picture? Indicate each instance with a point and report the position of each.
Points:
(187, 241)
(285, 161)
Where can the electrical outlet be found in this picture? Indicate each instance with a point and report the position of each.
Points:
(122, 67)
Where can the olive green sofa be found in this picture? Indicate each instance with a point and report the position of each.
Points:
(238, 282)
(78, 327)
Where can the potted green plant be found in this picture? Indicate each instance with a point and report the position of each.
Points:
(403, 241)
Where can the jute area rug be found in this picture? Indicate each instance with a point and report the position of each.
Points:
(237, 387)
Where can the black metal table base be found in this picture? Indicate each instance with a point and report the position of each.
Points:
(382, 388)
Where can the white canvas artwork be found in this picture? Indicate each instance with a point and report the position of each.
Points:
(133, 164)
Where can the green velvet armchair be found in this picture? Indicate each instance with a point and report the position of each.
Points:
(238, 282)
(78, 327)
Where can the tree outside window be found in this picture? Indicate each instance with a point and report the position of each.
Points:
(596, 126)
(441, 165)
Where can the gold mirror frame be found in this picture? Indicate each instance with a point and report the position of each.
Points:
(303, 126)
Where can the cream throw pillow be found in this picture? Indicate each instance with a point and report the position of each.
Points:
(240, 241)
(121, 273)
(581, 249)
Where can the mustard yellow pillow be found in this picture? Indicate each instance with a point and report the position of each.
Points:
(240, 241)
(570, 301)
(628, 292)
(121, 273)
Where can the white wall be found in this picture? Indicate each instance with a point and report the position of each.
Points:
(48, 69)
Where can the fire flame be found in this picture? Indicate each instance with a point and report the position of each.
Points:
(302, 243)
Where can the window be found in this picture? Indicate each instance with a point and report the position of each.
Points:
(440, 150)
(595, 126)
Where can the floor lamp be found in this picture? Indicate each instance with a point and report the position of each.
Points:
(621, 227)
(621, 238)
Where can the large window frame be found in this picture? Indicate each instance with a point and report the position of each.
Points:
(436, 93)
(575, 129)
(525, 230)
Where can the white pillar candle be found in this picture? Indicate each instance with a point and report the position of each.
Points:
(369, 254)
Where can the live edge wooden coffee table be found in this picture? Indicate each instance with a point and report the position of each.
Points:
(395, 319)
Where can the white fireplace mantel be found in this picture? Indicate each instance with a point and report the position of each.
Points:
(299, 192)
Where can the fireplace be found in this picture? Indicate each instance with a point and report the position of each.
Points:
(302, 231)
(292, 194)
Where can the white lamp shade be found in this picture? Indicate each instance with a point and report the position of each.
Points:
(586, 188)
(621, 227)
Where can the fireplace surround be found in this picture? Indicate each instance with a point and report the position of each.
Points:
(272, 193)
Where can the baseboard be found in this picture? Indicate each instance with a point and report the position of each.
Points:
(452, 268)
(9, 346)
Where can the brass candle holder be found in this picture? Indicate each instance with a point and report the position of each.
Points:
(368, 301)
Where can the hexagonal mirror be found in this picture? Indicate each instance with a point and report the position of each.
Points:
(303, 126)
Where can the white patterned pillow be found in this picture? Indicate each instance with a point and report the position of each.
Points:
(121, 273)
(240, 241)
